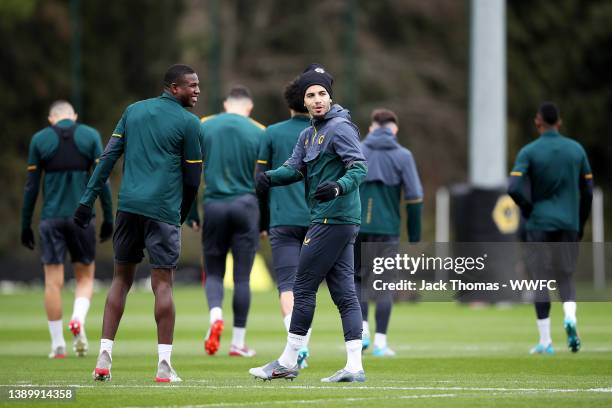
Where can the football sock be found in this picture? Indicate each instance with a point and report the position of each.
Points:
(569, 308)
(544, 329)
(80, 309)
(238, 335)
(57, 334)
(366, 328)
(287, 321)
(106, 345)
(380, 340)
(164, 351)
(215, 314)
(308, 333)
(353, 356)
(294, 343)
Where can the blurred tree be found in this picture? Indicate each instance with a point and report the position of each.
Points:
(559, 51)
(412, 57)
(126, 47)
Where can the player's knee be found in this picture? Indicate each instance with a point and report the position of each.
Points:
(304, 294)
(240, 280)
(304, 301)
(346, 302)
(161, 288)
(54, 285)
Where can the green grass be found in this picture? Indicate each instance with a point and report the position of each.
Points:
(448, 355)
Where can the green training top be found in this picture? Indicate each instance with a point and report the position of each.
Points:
(61, 189)
(158, 137)
(287, 204)
(230, 143)
(554, 165)
(328, 150)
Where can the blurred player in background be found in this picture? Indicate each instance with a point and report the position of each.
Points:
(328, 158)
(161, 174)
(559, 173)
(391, 171)
(64, 152)
(230, 143)
(284, 212)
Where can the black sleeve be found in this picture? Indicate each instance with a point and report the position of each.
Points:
(192, 169)
(264, 202)
(586, 200)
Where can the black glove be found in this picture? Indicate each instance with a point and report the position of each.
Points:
(262, 183)
(27, 238)
(327, 190)
(82, 216)
(106, 230)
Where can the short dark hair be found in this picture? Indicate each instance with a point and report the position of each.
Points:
(294, 98)
(384, 116)
(239, 92)
(549, 112)
(175, 73)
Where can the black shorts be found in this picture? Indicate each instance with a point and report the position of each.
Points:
(135, 232)
(59, 234)
(231, 224)
(391, 247)
(286, 242)
(551, 254)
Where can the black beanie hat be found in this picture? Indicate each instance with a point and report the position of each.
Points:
(315, 74)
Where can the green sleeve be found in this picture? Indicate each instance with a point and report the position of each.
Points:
(32, 186)
(585, 166)
(192, 156)
(516, 184)
(114, 150)
(192, 144)
(413, 220)
(106, 197)
(353, 177)
(264, 156)
(284, 175)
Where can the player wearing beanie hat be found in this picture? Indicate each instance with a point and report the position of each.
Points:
(328, 157)
(315, 74)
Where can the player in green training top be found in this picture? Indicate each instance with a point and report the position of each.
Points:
(559, 178)
(64, 153)
(160, 142)
(230, 142)
(284, 212)
(391, 171)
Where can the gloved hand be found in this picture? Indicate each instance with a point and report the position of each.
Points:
(82, 215)
(27, 238)
(328, 190)
(262, 183)
(106, 230)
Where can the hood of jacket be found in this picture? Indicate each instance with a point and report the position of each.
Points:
(381, 138)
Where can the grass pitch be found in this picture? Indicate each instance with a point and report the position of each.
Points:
(448, 355)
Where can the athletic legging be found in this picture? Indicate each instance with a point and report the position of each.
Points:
(215, 272)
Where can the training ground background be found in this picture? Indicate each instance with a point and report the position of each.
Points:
(448, 355)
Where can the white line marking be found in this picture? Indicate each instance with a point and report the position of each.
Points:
(313, 401)
(319, 387)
